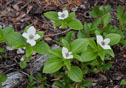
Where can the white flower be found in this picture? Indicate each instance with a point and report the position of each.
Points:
(103, 43)
(63, 15)
(31, 36)
(66, 54)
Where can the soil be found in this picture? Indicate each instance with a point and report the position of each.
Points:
(20, 13)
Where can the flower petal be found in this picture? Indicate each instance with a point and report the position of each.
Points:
(64, 51)
(25, 35)
(59, 13)
(66, 13)
(31, 30)
(61, 18)
(99, 39)
(106, 47)
(31, 42)
(70, 53)
(37, 36)
(107, 41)
(70, 57)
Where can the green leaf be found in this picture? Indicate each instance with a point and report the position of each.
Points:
(56, 52)
(30, 78)
(107, 66)
(88, 56)
(69, 36)
(1, 36)
(41, 48)
(52, 65)
(2, 50)
(8, 30)
(92, 43)
(68, 64)
(79, 45)
(75, 74)
(75, 24)
(87, 83)
(114, 38)
(78, 58)
(110, 52)
(123, 82)
(3, 78)
(18, 45)
(65, 43)
(57, 23)
(28, 50)
(23, 64)
(52, 15)
(12, 38)
(59, 84)
(96, 12)
(101, 54)
(107, 19)
(119, 11)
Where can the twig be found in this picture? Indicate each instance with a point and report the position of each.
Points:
(8, 66)
(39, 3)
(9, 2)
(51, 35)
(25, 5)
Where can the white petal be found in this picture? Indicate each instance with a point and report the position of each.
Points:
(107, 41)
(31, 42)
(59, 13)
(25, 35)
(99, 39)
(64, 51)
(37, 36)
(70, 53)
(106, 47)
(61, 18)
(66, 13)
(70, 57)
(31, 30)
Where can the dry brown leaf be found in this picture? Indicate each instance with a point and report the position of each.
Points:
(47, 39)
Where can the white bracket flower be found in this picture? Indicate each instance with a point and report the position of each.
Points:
(66, 54)
(103, 43)
(63, 15)
(31, 36)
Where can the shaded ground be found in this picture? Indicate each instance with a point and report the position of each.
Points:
(20, 13)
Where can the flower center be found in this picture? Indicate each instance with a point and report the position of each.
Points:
(31, 36)
(103, 43)
(63, 15)
(67, 54)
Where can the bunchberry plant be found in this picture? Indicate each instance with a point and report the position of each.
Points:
(31, 36)
(32, 43)
(63, 56)
(64, 19)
